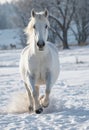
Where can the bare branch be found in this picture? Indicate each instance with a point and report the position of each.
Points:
(54, 31)
(61, 11)
(75, 34)
(66, 11)
(57, 20)
(71, 15)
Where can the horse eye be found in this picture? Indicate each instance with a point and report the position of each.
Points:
(46, 26)
(34, 26)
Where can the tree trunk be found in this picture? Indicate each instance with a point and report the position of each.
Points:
(65, 40)
(82, 38)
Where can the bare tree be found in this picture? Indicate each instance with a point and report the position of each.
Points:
(62, 12)
(24, 7)
(66, 10)
(81, 20)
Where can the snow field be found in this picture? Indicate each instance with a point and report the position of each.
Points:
(69, 99)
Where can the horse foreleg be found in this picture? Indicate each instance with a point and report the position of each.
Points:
(44, 100)
(35, 95)
(38, 107)
(30, 97)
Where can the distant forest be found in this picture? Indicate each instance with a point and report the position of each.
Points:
(67, 17)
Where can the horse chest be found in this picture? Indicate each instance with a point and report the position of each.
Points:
(39, 68)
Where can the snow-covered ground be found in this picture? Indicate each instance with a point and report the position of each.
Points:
(69, 100)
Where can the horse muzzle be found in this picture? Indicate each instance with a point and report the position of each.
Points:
(41, 45)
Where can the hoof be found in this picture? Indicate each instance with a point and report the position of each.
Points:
(45, 106)
(30, 108)
(41, 97)
(40, 110)
(42, 103)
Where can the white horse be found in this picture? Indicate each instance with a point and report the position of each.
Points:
(39, 62)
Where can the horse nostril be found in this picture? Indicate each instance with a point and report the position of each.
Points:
(40, 44)
(43, 43)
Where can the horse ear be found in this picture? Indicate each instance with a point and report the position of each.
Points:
(33, 13)
(46, 13)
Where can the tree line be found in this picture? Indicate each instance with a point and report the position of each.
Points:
(65, 16)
